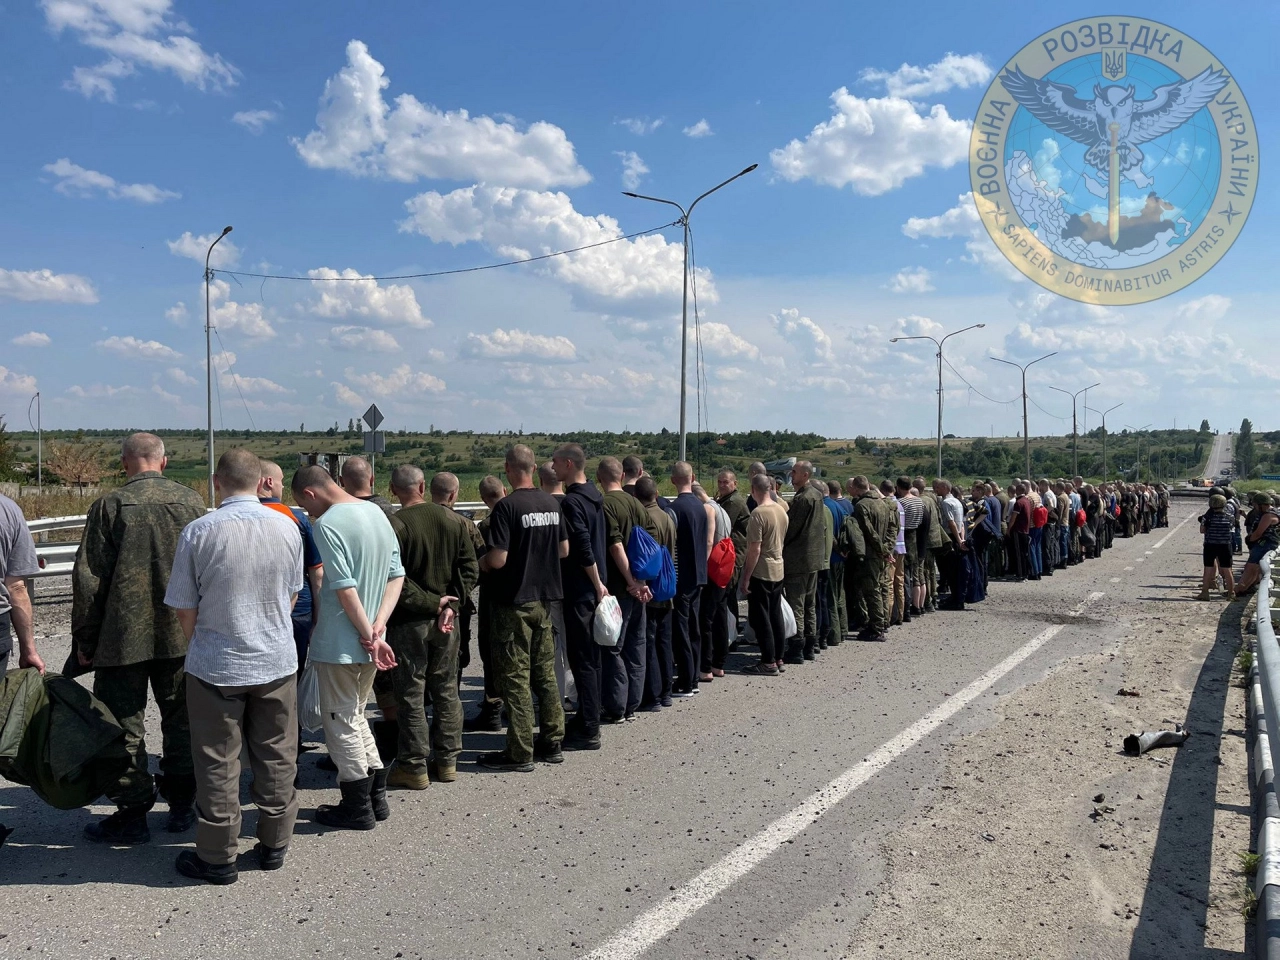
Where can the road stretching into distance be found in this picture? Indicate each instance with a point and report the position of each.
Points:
(746, 822)
(1221, 458)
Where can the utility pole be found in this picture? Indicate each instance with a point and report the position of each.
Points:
(208, 356)
(1138, 474)
(938, 343)
(1103, 414)
(684, 306)
(1026, 435)
(1075, 460)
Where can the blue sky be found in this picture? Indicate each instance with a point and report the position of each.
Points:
(137, 127)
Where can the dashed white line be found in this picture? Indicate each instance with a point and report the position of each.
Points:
(1166, 537)
(656, 923)
(1115, 579)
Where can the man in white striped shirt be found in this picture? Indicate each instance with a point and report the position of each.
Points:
(236, 575)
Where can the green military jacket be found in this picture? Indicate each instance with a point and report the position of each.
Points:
(889, 505)
(664, 537)
(828, 535)
(739, 516)
(803, 548)
(869, 536)
(439, 560)
(622, 512)
(937, 535)
(121, 573)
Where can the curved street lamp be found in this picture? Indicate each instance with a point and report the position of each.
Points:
(1075, 460)
(1103, 414)
(938, 343)
(1026, 436)
(208, 356)
(684, 307)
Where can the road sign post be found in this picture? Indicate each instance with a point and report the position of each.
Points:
(375, 441)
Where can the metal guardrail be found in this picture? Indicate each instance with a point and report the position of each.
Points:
(1264, 701)
(57, 559)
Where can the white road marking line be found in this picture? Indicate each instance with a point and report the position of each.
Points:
(657, 922)
(1165, 538)
(1149, 552)
(1140, 559)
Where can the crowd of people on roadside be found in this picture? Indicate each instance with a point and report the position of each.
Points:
(231, 615)
(1227, 530)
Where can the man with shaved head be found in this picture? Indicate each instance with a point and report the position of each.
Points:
(121, 627)
(363, 577)
(357, 480)
(235, 577)
(270, 489)
(440, 568)
(804, 553)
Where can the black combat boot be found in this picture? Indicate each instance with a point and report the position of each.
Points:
(378, 795)
(180, 792)
(354, 812)
(126, 827)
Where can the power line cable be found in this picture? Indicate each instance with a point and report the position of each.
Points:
(446, 273)
(234, 379)
(1044, 411)
(975, 389)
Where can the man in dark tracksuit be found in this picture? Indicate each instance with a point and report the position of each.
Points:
(623, 667)
(489, 717)
(660, 673)
(583, 508)
(735, 505)
(692, 534)
(804, 553)
(440, 567)
(120, 626)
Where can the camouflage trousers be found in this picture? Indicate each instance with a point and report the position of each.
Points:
(876, 591)
(123, 690)
(524, 654)
(426, 668)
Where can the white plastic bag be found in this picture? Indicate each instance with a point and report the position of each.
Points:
(309, 698)
(788, 620)
(608, 625)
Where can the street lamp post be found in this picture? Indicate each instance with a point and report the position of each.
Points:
(1138, 475)
(1026, 436)
(684, 306)
(1075, 460)
(39, 441)
(938, 343)
(1103, 414)
(208, 356)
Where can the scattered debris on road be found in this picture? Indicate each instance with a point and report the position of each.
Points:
(1136, 744)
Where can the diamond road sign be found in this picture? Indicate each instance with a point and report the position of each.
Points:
(373, 417)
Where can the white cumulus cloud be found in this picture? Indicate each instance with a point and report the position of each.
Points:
(521, 223)
(225, 254)
(359, 133)
(362, 338)
(346, 396)
(31, 339)
(698, 130)
(1206, 309)
(873, 145)
(911, 81)
(134, 34)
(12, 382)
(349, 293)
(519, 345)
(77, 181)
(640, 125)
(254, 120)
(633, 168)
(962, 221)
(246, 319)
(911, 280)
(33, 285)
(177, 314)
(401, 382)
(178, 375)
(136, 349)
(807, 337)
(719, 340)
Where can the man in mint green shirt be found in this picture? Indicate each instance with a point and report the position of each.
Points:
(362, 580)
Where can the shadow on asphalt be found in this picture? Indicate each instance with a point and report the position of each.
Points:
(1175, 903)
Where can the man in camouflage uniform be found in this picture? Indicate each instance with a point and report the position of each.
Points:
(735, 505)
(440, 567)
(527, 537)
(870, 538)
(936, 540)
(121, 627)
(803, 555)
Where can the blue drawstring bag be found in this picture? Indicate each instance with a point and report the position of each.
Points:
(643, 554)
(664, 584)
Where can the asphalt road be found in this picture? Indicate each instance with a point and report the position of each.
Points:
(1220, 457)
(746, 822)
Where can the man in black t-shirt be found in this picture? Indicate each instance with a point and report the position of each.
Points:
(527, 539)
